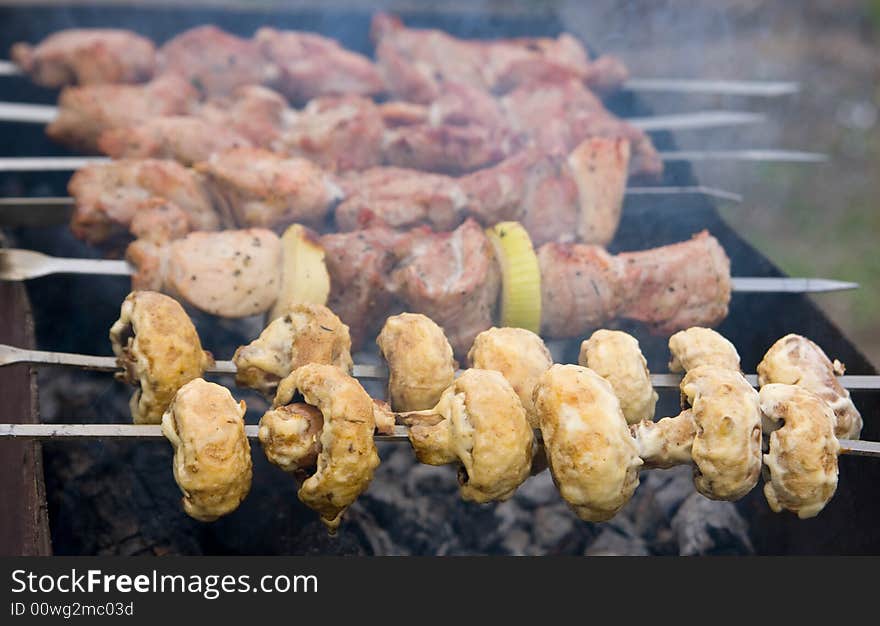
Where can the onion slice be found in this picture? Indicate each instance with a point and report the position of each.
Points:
(520, 276)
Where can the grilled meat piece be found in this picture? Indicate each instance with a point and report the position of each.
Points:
(557, 115)
(84, 113)
(184, 138)
(677, 286)
(795, 360)
(254, 112)
(159, 351)
(592, 456)
(113, 198)
(307, 333)
(359, 264)
(452, 278)
(802, 453)
(420, 363)
(338, 133)
(480, 423)
(262, 188)
(519, 355)
(214, 61)
(400, 198)
(212, 456)
(417, 62)
(87, 56)
(668, 288)
(310, 66)
(617, 358)
(233, 273)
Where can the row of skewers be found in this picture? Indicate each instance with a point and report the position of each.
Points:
(595, 420)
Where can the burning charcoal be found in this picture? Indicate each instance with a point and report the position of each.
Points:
(552, 524)
(516, 542)
(670, 488)
(705, 526)
(538, 491)
(612, 543)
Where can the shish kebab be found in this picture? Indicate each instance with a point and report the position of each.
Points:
(86, 56)
(457, 278)
(483, 419)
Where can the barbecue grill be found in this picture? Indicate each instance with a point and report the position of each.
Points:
(118, 497)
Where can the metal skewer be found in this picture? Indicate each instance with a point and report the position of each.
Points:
(51, 210)
(55, 432)
(44, 114)
(19, 264)
(769, 89)
(10, 355)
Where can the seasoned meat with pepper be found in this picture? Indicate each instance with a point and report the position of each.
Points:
(110, 197)
(233, 273)
(310, 66)
(338, 133)
(183, 138)
(668, 288)
(262, 188)
(417, 62)
(400, 198)
(254, 112)
(214, 61)
(84, 113)
(359, 264)
(452, 278)
(87, 56)
(557, 115)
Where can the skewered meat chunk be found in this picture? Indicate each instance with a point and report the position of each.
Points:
(184, 138)
(417, 62)
(290, 435)
(307, 333)
(795, 360)
(452, 278)
(668, 288)
(338, 133)
(262, 188)
(234, 273)
(158, 220)
(254, 112)
(359, 264)
(400, 198)
(558, 196)
(310, 66)
(347, 454)
(698, 346)
(802, 457)
(420, 363)
(617, 358)
(214, 61)
(159, 351)
(110, 196)
(519, 355)
(87, 56)
(592, 456)
(480, 423)
(84, 113)
(212, 456)
(560, 115)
